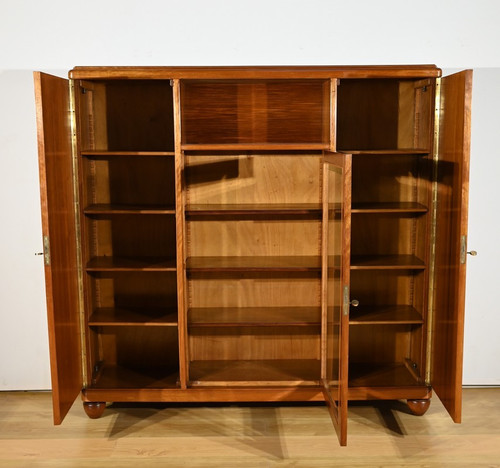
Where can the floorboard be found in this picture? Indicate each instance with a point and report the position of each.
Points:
(380, 435)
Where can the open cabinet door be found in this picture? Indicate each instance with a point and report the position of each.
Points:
(336, 264)
(451, 240)
(59, 239)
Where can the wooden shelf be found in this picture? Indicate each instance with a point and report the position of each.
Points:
(262, 372)
(381, 375)
(131, 264)
(402, 151)
(134, 316)
(386, 262)
(254, 208)
(112, 209)
(384, 314)
(256, 147)
(112, 154)
(396, 207)
(119, 377)
(241, 264)
(254, 316)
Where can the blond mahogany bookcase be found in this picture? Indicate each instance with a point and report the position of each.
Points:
(246, 234)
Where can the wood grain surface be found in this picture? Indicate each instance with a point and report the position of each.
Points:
(340, 71)
(453, 198)
(248, 435)
(58, 227)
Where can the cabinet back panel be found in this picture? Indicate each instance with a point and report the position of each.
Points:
(379, 344)
(253, 179)
(376, 234)
(130, 181)
(255, 111)
(250, 343)
(367, 114)
(136, 116)
(144, 289)
(389, 178)
(138, 347)
(257, 290)
(255, 237)
(133, 236)
(381, 114)
(383, 287)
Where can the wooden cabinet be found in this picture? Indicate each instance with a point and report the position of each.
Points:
(255, 234)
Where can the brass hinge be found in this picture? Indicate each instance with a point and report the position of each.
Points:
(345, 305)
(463, 249)
(46, 250)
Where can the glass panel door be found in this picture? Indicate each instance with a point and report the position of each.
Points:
(336, 258)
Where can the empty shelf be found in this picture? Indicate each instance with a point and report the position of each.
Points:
(386, 262)
(144, 316)
(248, 373)
(402, 151)
(112, 376)
(396, 207)
(110, 209)
(381, 375)
(254, 208)
(255, 146)
(239, 264)
(254, 316)
(384, 314)
(131, 264)
(95, 154)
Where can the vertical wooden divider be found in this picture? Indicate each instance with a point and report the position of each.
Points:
(180, 239)
(80, 228)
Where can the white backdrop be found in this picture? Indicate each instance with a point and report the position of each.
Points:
(54, 36)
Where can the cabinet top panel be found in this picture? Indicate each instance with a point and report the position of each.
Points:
(254, 72)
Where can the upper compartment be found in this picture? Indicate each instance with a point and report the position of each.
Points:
(255, 114)
(392, 115)
(126, 116)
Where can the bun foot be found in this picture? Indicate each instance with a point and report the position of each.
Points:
(419, 407)
(94, 409)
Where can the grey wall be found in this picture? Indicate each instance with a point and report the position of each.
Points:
(54, 36)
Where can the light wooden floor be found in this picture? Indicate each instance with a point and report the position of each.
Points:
(243, 436)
